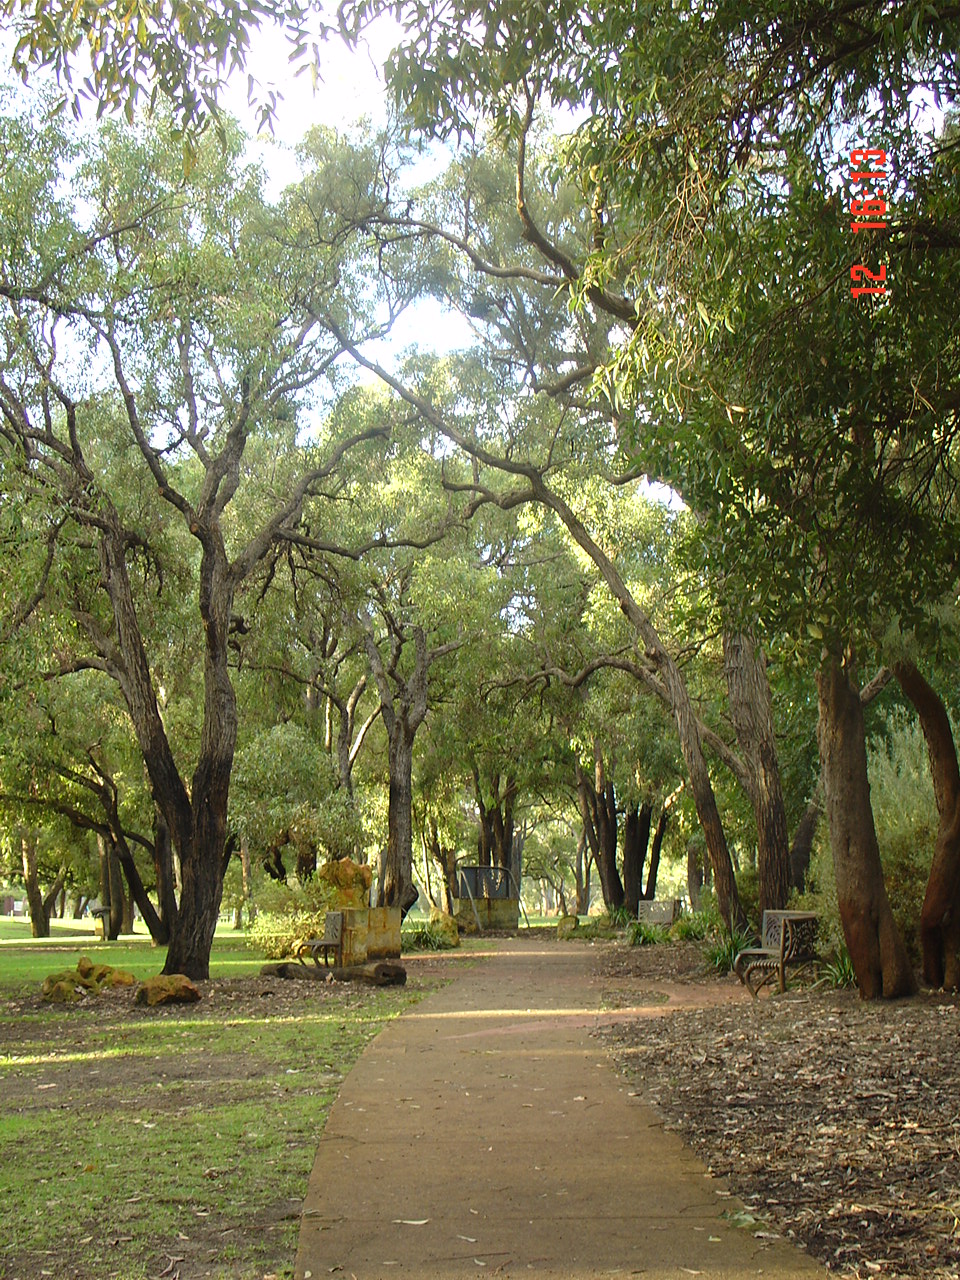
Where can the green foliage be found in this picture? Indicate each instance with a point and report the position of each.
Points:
(290, 914)
(838, 970)
(641, 933)
(723, 949)
(694, 926)
(748, 887)
(424, 935)
(285, 783)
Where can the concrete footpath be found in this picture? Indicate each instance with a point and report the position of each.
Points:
(486, 1133)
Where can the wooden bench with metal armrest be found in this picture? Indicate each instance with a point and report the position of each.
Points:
(332, 941)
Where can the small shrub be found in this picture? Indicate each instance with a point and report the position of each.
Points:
(693, 927)
(748, 891)
(290, 914)
(424, 935)
(621, 918)
(642, 933)
(838, 970)
(724, 948)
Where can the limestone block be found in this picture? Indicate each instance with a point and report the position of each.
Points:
(173, 988)
(445, 926)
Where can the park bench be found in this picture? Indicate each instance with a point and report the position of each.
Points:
(332, 940)
(788, 938)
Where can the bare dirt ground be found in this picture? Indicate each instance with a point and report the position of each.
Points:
(836, 1122)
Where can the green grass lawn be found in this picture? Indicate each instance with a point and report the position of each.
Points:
(26, 961)
(138, 1140)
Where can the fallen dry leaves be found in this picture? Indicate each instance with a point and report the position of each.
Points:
(836, 1122)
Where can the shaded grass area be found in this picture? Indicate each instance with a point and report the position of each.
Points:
(137, 1141)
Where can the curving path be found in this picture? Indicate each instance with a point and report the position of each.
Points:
(485, 1133)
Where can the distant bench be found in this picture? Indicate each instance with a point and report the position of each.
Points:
(662, 911)
(332, 940)
(789, 938)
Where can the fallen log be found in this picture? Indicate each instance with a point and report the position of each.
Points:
(384, 973)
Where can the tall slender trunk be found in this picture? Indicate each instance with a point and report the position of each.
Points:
(876, 949)
(396, 887)
(751, 708)
(447, 860)
(801, 846)
(636, 838)
(117, 898)
(583, 874)
(598, 809)
(164, 872)
(651, 890)
(940, 914)
(39, 920)
(673, 685)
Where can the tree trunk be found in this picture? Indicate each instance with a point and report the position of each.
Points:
(246, 880)
(598, 808)
(447, 860)
(636, 839)
(396, 887)
(192, 937)
(39, 920)
(583, 875)
(801, 847)
(698, 873)
(53, 893)
(752, 711)
(940, 914)
(117, 895)
(876, 949)
(159, 931)
(672, 686)
(651, 890)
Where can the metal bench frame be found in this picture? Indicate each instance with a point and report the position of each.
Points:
(332, 940)
(789, 938)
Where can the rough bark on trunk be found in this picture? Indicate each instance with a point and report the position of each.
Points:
(397, 883)
(196, 820)
(495, 838)
(876, 949)
(583, 874)
(940, 914)
(39, 919)
(111, 888)
(751, 709)
(651, 890)
(403, 707)
(598, 809)
(801, 846)
(698, 873)
(636, 839)
(447, 860)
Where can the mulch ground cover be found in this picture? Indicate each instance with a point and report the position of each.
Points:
(837, 1122)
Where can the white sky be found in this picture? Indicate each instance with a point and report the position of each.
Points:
(350, 90)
